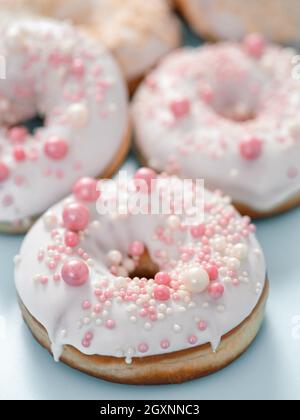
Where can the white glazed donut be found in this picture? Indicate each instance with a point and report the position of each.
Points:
(227, 113)
(138, 32)
(79, 294)
(78, 88)
(278, 20)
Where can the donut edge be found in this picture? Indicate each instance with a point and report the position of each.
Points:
(111, 169)
(173, 368)
(245, 210)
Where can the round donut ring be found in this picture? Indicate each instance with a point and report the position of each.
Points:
(142, 298)
(227, 113)
(278, 20)
(77, 87)
(137, 32)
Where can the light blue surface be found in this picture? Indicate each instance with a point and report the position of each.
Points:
(269, 370)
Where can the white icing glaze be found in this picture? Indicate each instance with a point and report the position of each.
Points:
(139, 33)
(78, 87)
(59, 307)
(205, 140)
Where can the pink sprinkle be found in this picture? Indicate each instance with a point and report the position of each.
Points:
(86, 343)
(136, 249)
(72, 239)
(56, 148)
(57, 277)
(145, 180)
(78, 68)
(162, 279)
(110, 324)
(161, 293)
(251, 148)
(4, 172)
(180, 108)
(212, 272)
(18, 134)
(86, 305)
(76, 217)
(216, 290)
(86, 190)
(89, 336)
(198, 231)
(202, 326)
(19, 154)
(165, 344)
(192, 339)
(143, 347)
(75, 273)
(255, 45)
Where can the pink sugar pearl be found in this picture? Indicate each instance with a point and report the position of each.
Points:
(213, 272)
(110, 324)
(255, 45)
(165, 344)
(251, 148)
(86, 190)
(78, 68)
(192, 339)
(161, 293)
(75, 273)
(72, 239)
(162, 279)
(202, 326)
(216, 290)
(136, 249)
(18, 134)
(56, 148)
(76, 217)
(146, 176)
(19, 154)
(198, 231)
(4, 172)
(180, 107)
(143, 347)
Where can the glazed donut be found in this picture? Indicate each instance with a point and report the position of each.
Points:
(80, 278)
(228, 113)
(138, 32)
(278, 20)
(78, 88)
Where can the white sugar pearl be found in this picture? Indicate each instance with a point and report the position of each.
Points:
(77, 115)
(173, 222)
(115, 257)
(196, 280)
(233, 263)
(240, 251)
(50, 220)
(120, 282)
(219, 244)
(177, 328)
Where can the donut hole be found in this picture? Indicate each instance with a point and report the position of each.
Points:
(235, 88)
(33, 124)
(146, 267)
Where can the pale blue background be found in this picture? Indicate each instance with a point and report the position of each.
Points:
(269, 370)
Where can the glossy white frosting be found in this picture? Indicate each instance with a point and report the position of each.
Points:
(58, 307)
(89, 111)
(138, 32)
(204, 143)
